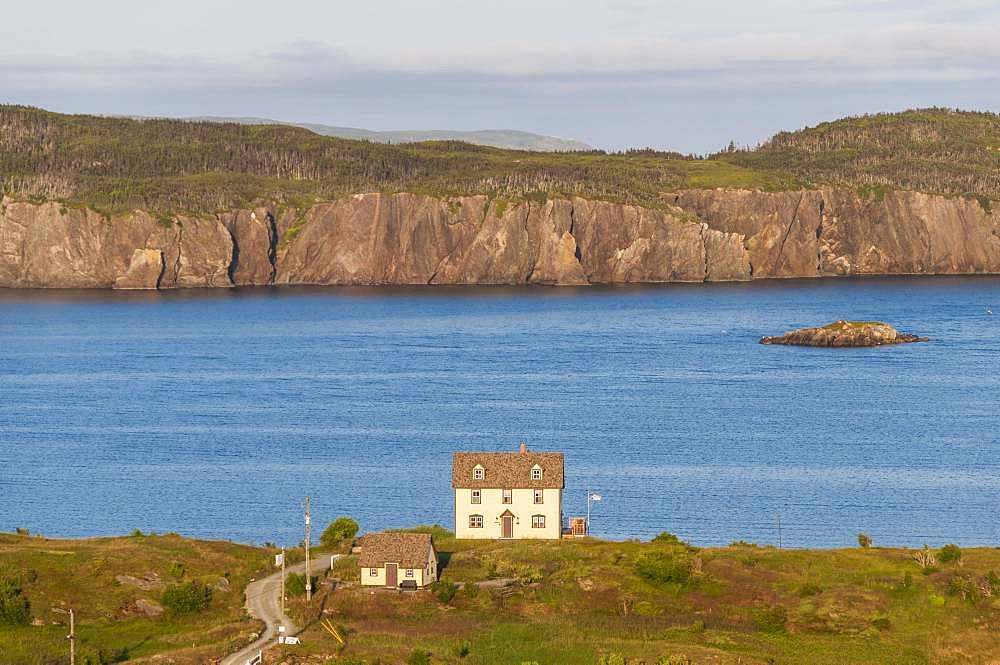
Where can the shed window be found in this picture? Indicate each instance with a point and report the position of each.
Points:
(409, 572)
(536, 473)
(373, 572)
(475, 521)
(477, 496)
(538, 521)
(508, 496)
(539, 496)
(478, 473)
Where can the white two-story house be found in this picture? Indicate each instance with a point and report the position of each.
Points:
(508, 495)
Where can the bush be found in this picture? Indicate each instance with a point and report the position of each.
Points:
(864, 540)
(445, 591)
(881, 621)
(419, 657)
(674, 659)
(949, 553)
(663, 567)
(613, 659)
(463, 649)
(295, 584)
(338, 531)
(667, 538)
(470, 590)
(187, 598)
(771, 619)
(15, 610)
(176, 569)
(810, 589)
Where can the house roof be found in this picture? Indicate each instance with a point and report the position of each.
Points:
(508, 470)
(409, 550)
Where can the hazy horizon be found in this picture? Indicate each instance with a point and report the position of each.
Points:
(626, 73)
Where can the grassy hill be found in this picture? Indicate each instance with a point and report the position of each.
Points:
(591, 602)
(117, 164)
(570, 602)
(110, 583)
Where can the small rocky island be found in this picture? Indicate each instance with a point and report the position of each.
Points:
(845, 334)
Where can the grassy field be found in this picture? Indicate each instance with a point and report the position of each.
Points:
(171, 166)
(580, 601)
(572, 602)
(110, 621)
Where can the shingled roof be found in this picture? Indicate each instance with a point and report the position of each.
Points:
(508, 470)
(409, 550)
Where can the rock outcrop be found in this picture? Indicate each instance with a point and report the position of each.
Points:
(845, 334)
(371, 239)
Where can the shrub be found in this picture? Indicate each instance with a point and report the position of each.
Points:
(770, 619)
(881, 621)
(613, 659)
(864, 540)
(674, 659)
(187, 598)
(925, 558)
(419, 657)
(667, 538)
(810, 589)
(137, 533)
(663, 567)
(15, 610)
(295, 584)
(463, 649)
(949, 553)
(338, 531)
(470, 590)
(176, 569)
(445, 591)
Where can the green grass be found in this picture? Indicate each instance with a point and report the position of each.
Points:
(177, 167)
(743, 605)
(81, 574)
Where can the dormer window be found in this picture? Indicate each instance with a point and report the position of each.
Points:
(478, 473)
(536, 473)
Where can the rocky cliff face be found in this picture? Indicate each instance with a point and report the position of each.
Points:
(708, 235)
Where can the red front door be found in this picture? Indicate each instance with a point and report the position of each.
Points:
(391, 575)
(507, 527)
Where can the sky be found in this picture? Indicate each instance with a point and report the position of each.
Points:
(686, 76)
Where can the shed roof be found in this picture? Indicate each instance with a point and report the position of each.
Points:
(409, 550)
(508, 470)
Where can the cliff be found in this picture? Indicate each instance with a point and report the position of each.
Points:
(706, 235)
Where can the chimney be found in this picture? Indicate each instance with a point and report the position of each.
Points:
(524, 448)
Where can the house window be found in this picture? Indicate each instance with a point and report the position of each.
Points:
(536, 473)
(373, 572)
(477, 496)
(475, 521)
(538, 521)
(478, 473)
(409, 572)
(539, 496)
(508, 496)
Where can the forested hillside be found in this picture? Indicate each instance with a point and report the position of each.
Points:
(114, 164)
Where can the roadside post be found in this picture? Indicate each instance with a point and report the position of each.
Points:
(72, 634)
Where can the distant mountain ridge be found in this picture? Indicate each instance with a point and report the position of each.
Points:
(510, 139)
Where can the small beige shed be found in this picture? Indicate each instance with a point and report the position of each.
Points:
(397, 560)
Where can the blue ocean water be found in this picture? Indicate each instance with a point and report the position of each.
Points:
(213, 413)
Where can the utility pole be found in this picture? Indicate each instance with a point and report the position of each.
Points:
(282, 583)
(308, 571)
(72, 634)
